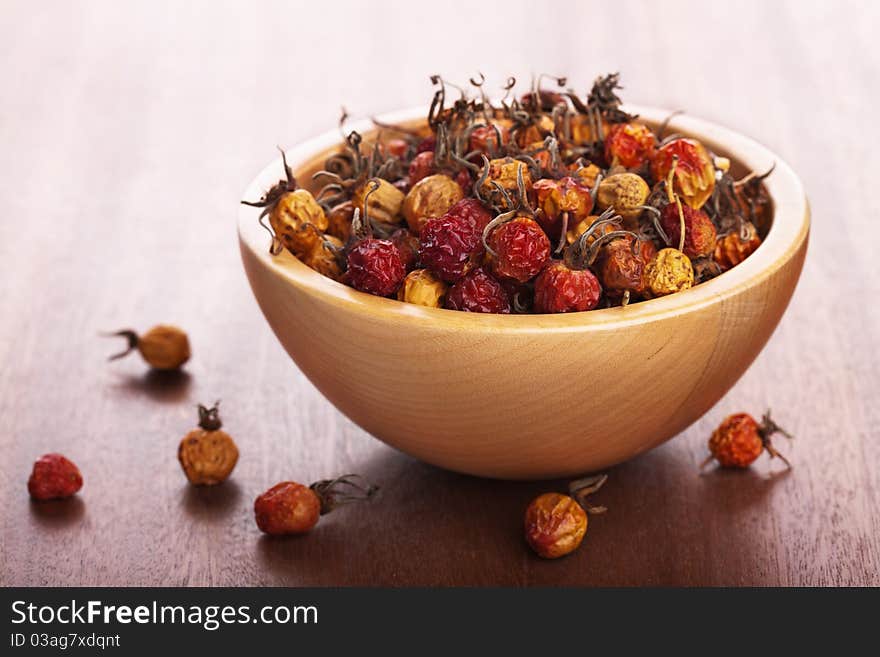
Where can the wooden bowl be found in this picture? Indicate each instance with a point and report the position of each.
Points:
(530, 396)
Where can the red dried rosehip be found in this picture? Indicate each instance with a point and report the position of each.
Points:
(54, 477)
(429, 143)
(451, 245)
(478, 292)
(375, 266)
(739, 440)
(629, 145)
(463, 178)
(521, 249)
(291, 508)
(287, 508)
(422, 166)
(699, 231)
(485, 139)
(694, 177)
(408, 246)
(560, 289)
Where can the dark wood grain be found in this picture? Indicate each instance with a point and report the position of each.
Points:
(128, 132)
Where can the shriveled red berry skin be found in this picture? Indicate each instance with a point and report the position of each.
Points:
(408, 246)
(521, 247)
(375, 267)
(451, 245)
(630, 144)
(287, 508)
(422, 166)
(463, 178)
(478, 292)
(54, 477)
(429, 143)
(560, 289)
(699, 231)
(736, 443)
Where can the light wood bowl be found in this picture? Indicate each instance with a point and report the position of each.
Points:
(530, 396)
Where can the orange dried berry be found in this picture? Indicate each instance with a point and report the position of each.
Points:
(587, 175)
(733, 248)
(429, 198)
(325, 257)
(625, 193)
(298, 221)
(581, 227)
(423, 288)
(583, 131)
(739, 440)
(384, 200)
(668, 272)
(489, 138)
(163, 347)
(290, 508)
(557, 197)
(694, 176)
(504, 173)
(207, 454)
(339, 220)
(555, 524)
(629, 145)
(621, 265)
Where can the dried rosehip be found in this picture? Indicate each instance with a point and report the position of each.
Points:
(555, 524)
(422, 166)
(298, 221)
(383, 200)
(581, 227)
(739, 440)
(621, 265)
(629, 145)
(423, 288)
(519, 248)
(429, 143)
(207, 454)
(396, 147)
(561, 289)
(733, 248)
(625, 193)
(375, 267)
(489, 138)
(163, 347)
(452, 245)
(478, 292)
(537, 130)
(694, 175)
(339, 220)
(326, 257)
(430, 197)
(54, 477)
(557, 197)
(507, 174)
(583, 131)
(668, 272)
(699, 231)
(586, 175)
(291, 508)
(408, 246)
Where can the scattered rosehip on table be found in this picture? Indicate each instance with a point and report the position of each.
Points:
(207, 454)
(739, 440)
(290, 508)
(163, 347)
(54, 477)
(555, 524)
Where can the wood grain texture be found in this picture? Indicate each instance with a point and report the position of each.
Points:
(129, 131)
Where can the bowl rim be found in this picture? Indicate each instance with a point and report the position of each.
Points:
(789, 229)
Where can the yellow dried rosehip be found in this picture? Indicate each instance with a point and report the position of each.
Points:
(339, 220)
(624, 192)
(694, 177)
(505, 172)
(732, 249)
(586, 174)
(423, 288)
(668, 272)
(429, 198)
(323, 257)
(163, 347)
(207, 454)
(555, 525)
(298, 221)
(384, 201)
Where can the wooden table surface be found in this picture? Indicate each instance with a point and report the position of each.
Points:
(128, 132)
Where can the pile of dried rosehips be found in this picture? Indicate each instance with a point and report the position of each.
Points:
(544, 203)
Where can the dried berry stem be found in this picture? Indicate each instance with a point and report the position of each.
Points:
(580, 489)
(209, 418)
(129, 335)
(342, 490)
